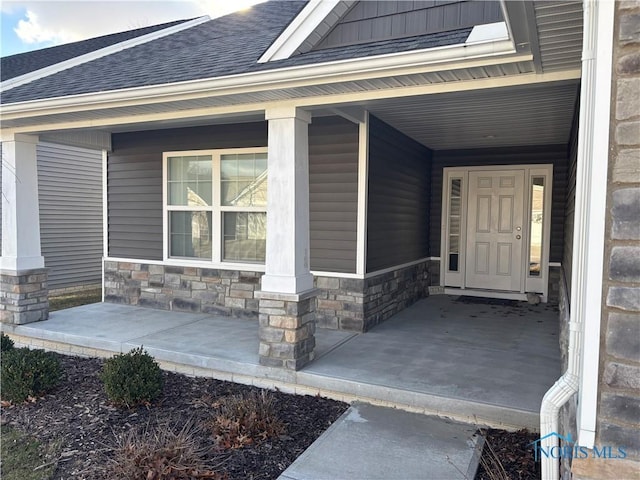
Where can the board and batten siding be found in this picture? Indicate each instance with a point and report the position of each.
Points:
(333, 194)
(70, 200)
(373, 21)
(134, 186)
(554, 154)
(398, 202)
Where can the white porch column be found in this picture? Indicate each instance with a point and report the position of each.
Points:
(287, 300)
(20, 211)
(287, 256)
(23, 278)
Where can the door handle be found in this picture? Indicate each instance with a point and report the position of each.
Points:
(518, 237)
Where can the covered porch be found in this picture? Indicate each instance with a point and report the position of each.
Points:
(457, 357)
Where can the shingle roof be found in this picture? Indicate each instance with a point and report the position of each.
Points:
(223, 46)
(22, 63)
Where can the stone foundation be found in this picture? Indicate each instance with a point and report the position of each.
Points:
(24, 296)
(360, 304)
(183, 289)
(342, 303)
(287, 328)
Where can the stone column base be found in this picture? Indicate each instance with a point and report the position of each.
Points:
(24, 296)
(287, 328)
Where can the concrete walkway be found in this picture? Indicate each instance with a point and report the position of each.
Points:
(376, 443)
(474, 362)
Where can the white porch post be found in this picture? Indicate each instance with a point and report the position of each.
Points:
(20, 212)
(287, 257)
(287, 299)
(23, 279)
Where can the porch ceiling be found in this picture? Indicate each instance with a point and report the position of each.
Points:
(517, 116)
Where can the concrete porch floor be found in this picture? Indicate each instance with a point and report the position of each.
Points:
(470, 360)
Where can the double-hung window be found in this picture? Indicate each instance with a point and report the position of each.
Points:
(216, 205)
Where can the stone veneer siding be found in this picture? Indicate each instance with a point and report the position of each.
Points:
(287, 328)
(24, 296)
(360, 304)
(183, 289)
(342, 303)
(618, 420)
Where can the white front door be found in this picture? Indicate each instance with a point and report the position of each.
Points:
(495, 216)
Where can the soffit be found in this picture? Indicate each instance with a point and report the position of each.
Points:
(514, 116)
(559, 29)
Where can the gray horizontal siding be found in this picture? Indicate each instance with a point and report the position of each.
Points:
(372, 21)
(554, 154)
(570, 203)
(134, 180)
(398, 203)
(70, 200)
(134, 185)
(333, 194)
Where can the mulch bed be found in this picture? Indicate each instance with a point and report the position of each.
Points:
(79, 414)
(508, 455)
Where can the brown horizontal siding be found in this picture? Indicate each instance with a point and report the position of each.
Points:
(398, 203)
(554, 154)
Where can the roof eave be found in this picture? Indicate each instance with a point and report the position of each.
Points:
(403, 63)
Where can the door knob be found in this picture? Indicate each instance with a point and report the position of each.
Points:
(518, 237)
(518, 228)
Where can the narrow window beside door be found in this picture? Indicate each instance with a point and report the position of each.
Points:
(536, 229)
(455, 215)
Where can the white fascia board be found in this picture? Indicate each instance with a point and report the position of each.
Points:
(421, 61)
(488, 32)
(103, 52)
(299, 30)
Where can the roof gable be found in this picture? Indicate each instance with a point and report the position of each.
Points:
(373, 21)
(324, 24)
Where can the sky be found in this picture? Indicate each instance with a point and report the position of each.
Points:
(31, 25)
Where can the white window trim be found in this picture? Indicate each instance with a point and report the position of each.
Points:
(456, 279)
(216, 208)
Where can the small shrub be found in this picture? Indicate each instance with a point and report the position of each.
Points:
(6, 343)
(28, 373)
(162, 452)
(132, 378)
(245, 419)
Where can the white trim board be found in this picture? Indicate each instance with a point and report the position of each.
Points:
(103, 52)
(63, 106)
(302, 26)
(363, 195)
